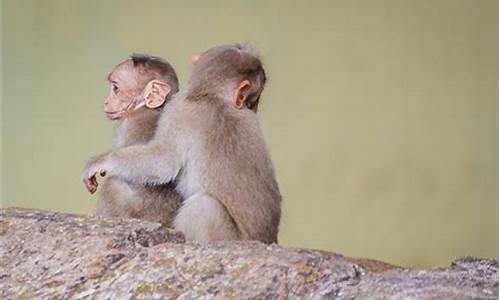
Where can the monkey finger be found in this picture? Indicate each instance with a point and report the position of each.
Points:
(93, 188)
(94, 184)
(90, 184)
(87, 184)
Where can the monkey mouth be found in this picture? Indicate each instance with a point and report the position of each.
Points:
(113, 115)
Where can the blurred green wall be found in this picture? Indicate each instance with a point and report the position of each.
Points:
(381, 116)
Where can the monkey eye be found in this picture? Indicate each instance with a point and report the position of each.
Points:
(115, 89)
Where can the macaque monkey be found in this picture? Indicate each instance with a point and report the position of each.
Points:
(210, 143)
(139, 88)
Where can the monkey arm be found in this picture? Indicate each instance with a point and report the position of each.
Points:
(151, 163)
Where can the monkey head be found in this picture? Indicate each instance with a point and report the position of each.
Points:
(141, 80)
(232, 72)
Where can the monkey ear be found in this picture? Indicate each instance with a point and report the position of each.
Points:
(155, 93)
(194, 58)
(242, 93)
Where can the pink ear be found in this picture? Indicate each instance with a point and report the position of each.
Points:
(241, 93)
(155, 93)
(195, 58)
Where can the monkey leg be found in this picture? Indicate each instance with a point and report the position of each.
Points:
(117, 199)
(203, 218)
(120, 199)
(159, 203)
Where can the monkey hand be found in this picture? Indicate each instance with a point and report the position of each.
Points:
(94, 167)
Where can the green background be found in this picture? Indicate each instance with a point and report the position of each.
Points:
(381, 116)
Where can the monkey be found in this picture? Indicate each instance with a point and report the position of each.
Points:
(209, 142)
(139, 88)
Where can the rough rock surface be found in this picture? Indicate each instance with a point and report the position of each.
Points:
(50, 255)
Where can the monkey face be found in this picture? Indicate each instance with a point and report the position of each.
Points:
(123, 93)
(133, 87)
(117, 103)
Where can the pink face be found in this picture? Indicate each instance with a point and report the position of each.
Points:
(122, 93)
(115, 105)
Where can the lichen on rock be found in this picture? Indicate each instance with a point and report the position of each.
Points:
(55, 255)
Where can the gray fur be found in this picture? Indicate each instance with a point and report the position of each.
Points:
(124, 199)
(213, 150)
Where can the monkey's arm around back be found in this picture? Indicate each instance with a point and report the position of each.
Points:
(152, 163)
(156, 162)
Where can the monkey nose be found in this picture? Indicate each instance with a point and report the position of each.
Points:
(195, 58)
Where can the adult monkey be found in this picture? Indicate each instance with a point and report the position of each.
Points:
(139, 88)
(209, 141)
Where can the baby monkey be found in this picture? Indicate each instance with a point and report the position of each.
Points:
(209, 141)
(139, 88)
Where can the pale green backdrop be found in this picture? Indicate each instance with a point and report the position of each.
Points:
(381, 116)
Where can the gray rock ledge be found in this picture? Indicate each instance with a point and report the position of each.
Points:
(47, 255)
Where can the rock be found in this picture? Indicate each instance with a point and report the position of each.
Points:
(65, 256)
